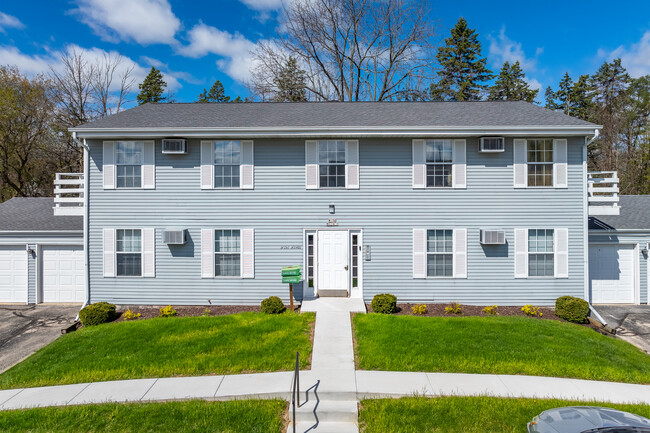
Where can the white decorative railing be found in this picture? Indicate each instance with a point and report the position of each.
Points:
(602, 193)
(69, 194)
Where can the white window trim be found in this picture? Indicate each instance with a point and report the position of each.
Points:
(552, 164)
(343, 164)
(529, 253)
(215, 164)
(450, 164)
(215, 252)
(451, 253)
(118, 164)
(141, 252)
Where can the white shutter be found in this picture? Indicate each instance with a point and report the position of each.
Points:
(311, 164)
(109, 252)
(460, 253)
(248, 253)
(521, 253)
(520, 160)
(149, 165)
(207, 253)
(352, 164)
(109, 165)
(419, 164)
(207, 164)
(560, 175)
(148, 252)
(247, 168)
(561, 243)
(459, 164)
(419, 253)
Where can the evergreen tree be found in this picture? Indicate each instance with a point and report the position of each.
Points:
(510, 85)
(564, 94)
(216, 94)
(152, 88)
(463, 70)
(581, 104)
(290, 83)
(549, 98)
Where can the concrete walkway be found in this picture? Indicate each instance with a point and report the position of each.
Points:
(631, 323)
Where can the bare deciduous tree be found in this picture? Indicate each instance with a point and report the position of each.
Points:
(351, 49)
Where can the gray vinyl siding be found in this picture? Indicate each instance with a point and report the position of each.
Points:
(31, 276)
(640, 239)
(386, 208)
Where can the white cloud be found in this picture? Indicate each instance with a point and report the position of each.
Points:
(31, 65)
(533, 83)
(635, 58)
(143, 21)
(234, 49)
(263, 5)
(9, 21)
(503, 49)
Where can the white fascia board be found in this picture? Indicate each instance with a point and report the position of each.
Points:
(607, 232)
(302, 132)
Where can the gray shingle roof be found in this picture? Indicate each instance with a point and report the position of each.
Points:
(635, 215)
(336, 114)
(35, 214)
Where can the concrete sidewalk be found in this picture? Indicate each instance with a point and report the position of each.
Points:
(360, 384)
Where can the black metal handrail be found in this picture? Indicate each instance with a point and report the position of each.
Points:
(295, 390)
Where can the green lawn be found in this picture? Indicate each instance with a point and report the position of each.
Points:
(462, 414)
(174, 346)
(501, 345)
(245, 416)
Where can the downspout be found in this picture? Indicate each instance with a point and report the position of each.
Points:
(84, 145)
(586, 224)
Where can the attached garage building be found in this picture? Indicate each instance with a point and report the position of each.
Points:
(618, 254)
(41, 255)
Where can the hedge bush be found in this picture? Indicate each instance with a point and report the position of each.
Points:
(272, 305)
(384, 303)
(572, 309)
(97, 313)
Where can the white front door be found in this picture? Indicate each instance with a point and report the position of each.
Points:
(13, 274)
(333, 262)
(612, 274)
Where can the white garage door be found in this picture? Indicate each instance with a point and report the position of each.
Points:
(63, 274)
(13, 274)
(611, 273)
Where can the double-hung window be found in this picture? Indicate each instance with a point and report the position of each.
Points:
(540, 162)
(541, 253)
(440, 253)
(439, 163)
(227, 159)
(128, 252)
(129, 157)
(331, 162)
(227, 249)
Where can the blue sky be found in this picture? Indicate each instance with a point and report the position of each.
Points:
(197, 42)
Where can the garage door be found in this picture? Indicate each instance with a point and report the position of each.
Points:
(63, 274)
(611, 273)
(13, 274)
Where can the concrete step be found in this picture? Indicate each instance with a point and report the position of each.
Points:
(327, 411)
(324, 427)
(333, 293)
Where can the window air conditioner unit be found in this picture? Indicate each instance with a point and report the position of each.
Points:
(492, 144)
(174, 145)
(174, 236)
(493, 237)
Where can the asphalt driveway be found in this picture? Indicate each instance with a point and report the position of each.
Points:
(26, 328)
(631, 322)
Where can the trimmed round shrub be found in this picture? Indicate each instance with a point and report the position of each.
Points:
(572, 309)
(97, 313)
(384, 303)
(272, 305)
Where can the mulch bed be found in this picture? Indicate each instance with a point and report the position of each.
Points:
(438, 310)
(149, 312)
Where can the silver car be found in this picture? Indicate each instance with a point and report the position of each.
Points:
(588, 419)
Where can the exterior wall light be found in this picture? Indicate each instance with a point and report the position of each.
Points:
(332, 209)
